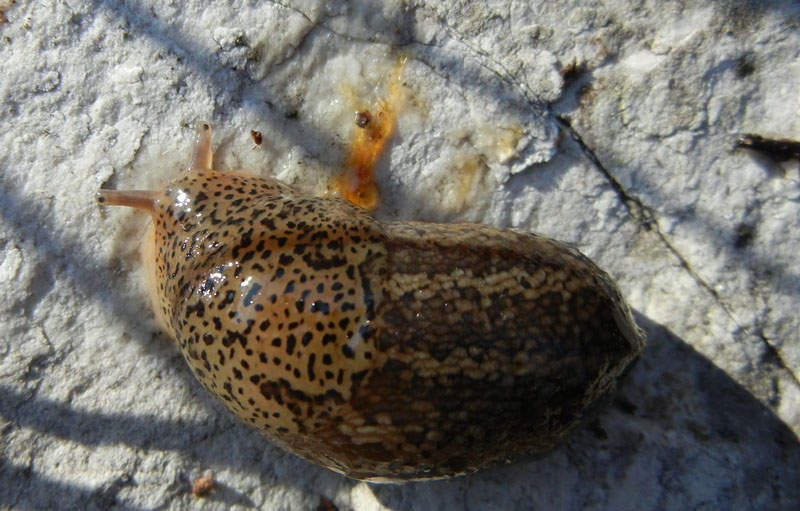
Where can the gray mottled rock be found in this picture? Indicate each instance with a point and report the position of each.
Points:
(610, 125)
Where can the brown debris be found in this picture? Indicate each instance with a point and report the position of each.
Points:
(202, 486)
(362, 118)
(778, 150)
(257, 138)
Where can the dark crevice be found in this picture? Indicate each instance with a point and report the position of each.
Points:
(641, 213)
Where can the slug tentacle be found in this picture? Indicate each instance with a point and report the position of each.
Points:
(139, 199)
(201, 153)
(387, 351)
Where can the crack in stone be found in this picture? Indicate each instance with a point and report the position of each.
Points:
(772, 353)
(293, 9)
(446, 78)
(641, 213)
(482, 56)
(647, 219)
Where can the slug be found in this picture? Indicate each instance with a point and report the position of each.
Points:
(386, 351)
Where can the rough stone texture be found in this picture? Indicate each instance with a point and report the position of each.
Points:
(631, 160)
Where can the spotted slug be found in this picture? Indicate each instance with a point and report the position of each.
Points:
(386, 351)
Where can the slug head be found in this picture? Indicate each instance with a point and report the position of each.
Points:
(174, 216)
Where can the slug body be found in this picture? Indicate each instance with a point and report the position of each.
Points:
(386, 351)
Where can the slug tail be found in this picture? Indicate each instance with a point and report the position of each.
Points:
(201, 154)
(139, 199)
